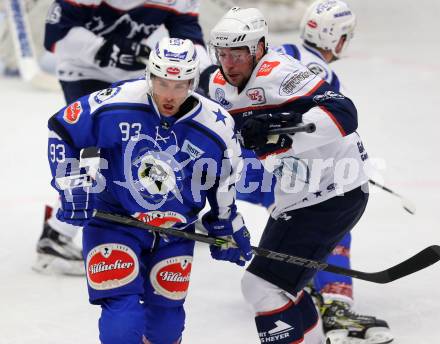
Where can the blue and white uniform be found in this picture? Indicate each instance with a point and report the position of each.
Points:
(158, 169)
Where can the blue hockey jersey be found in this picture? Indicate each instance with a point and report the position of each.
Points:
(76, 29)
(154, 166)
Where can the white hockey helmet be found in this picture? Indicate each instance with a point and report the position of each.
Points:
(325, 22)
(240, 27)
(174, 59)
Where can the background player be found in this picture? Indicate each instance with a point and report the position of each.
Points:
(165, 149)
(95, 44)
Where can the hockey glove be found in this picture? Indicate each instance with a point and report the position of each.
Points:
(122, 53)
(239, 249)
(76, 201)
(255, 130)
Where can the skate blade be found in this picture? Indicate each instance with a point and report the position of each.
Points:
(374, 335)
(51, 265)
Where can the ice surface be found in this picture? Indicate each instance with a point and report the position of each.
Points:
(391, 73)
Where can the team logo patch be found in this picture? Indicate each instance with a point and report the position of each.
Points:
(72, 112)
(170, 277)
(295, 82)
(267, 67)
(111, 266)
(106, 94)
(156, 176)
(256, 95)
(220, 98)
(192, 150)
(318, 70)
(173, 70)
(158, 218)
(219, 79)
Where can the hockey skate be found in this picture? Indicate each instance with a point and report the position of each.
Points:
(57, 254)
(343, 326)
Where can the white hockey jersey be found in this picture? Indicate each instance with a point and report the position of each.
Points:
(319, 165)
(76, 29)
(313, 60)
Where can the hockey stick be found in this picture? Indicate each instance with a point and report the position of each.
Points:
(305, 128)
(24, 48)
(406, 204)
(419, 261)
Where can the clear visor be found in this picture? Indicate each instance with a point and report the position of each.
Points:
(171, 88)
(222, 56)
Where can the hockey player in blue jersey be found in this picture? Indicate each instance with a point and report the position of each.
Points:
(166, 151)
(96, 43)
(315, 205)
(326, 30)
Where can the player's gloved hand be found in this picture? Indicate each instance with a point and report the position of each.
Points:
(255, 130)
(282, 144)
(122, 53)
(239, 249)
(76, 201)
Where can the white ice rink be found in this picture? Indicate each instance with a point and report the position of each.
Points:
(392, 73)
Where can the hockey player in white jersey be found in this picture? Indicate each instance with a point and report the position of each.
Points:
(321, 187)
(95, 44)
(334, 292)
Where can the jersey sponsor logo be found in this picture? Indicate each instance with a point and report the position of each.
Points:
(295, 81)
(220, 98)
(267, 67)
(72, 112)
(173, 70)
(170, 277)
(106, 94)
(192, 150)
(312, 24)
(219, 79)
(342, 14)
(173, 55)
(256, 95)
(280, 332)
(165, 219)
(111, 266)
(54, 14)
(318, 70)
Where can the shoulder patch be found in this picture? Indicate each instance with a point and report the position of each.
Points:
(72, 112)
(106, 94)
(318, 70)
(267, 67)
(220, 97)
(219, 79)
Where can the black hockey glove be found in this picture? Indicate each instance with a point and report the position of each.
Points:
(122, 53)
(255, 130)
